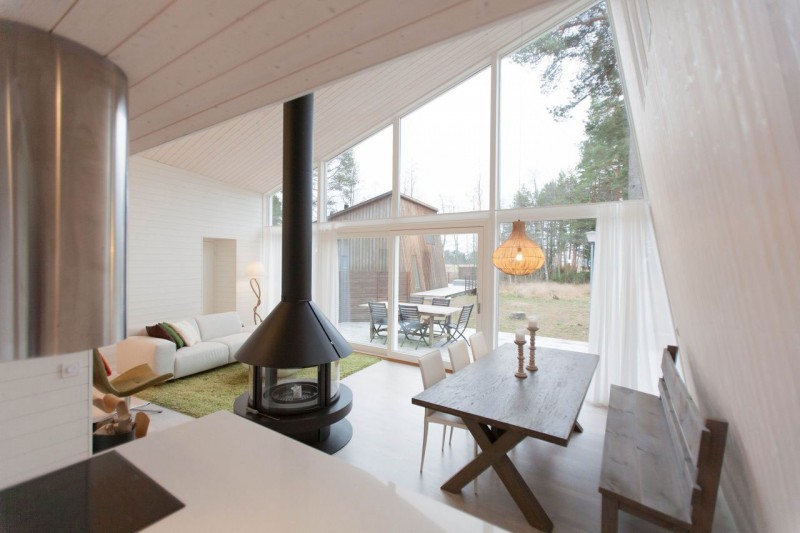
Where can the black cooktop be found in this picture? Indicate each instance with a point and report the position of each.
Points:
(104, 493)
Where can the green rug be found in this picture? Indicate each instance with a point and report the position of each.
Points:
(215, 390)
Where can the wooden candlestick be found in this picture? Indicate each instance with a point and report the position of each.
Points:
(520, 373)
(532, 362)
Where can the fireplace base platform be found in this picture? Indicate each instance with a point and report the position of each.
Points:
(323, 429)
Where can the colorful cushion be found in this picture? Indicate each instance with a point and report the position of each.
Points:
(105, 364)
(158, 332)
(187, 331)
(176, 338)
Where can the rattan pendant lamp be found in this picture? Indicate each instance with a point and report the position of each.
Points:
(519, 254)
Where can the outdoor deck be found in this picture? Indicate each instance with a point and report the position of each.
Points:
(357, 333)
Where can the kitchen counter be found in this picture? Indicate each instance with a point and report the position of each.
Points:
(234, 475)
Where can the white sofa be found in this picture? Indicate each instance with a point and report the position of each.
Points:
(221, 334)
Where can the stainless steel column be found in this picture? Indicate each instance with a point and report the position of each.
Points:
(63, 165)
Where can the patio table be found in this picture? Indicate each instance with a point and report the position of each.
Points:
(501, 410)
(430, 312)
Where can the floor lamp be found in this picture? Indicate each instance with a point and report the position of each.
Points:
(254, 271)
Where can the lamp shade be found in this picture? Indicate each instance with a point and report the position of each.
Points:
(518, 255)
(255, 269)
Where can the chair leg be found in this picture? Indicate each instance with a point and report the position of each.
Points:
(424, 443)
(451, 436)
(444, 434)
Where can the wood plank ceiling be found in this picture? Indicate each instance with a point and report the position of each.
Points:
(192, 64)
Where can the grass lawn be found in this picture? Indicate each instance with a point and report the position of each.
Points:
(562, 308)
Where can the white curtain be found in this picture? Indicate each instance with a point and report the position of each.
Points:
(273, 239)
(325, 286)
(630, 322)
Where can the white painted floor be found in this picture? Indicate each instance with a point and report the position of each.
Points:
(387, 442)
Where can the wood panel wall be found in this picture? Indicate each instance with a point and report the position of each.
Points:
(713, 95)
(358, 288)
(416, 251)
(45, 415)
(170, 212)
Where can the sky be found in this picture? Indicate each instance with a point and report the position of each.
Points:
(445, 143)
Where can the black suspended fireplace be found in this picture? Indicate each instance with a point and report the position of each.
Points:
(294, 354)
(293, 391)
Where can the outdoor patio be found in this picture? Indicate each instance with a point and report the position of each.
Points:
(358, 333)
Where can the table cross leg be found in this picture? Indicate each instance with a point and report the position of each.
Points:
(494, 448)
(491, 449)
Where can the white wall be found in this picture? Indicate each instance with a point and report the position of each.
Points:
(170, 211)
(219, 275)
(45, 415)
(716, 111)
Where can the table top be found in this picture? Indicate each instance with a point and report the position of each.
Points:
(545, 405)
(427, 309)
(443, 292)
(435, 310)
(234, 475)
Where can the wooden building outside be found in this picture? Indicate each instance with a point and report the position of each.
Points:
(364, 262)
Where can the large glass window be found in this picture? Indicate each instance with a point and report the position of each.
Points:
(359, 180)
(363, 278)
(564, 136)
(558, 293)
(444, 156)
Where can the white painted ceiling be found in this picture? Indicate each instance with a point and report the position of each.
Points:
(193, 64)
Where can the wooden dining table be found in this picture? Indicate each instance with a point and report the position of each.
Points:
(501, 410)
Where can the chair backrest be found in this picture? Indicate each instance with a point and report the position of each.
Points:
(479, 346)
(459, 355)
(416, 299)
(445, 302)
(99, 376)
(409, 313)
(378, 312)
(431, 367)
(466, 311)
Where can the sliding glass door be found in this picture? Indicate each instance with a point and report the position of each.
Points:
(436, 290)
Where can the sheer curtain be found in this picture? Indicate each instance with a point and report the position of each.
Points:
(273, 239)
(630, 321)
(325, 286)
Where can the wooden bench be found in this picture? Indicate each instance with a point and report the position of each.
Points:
(661, 461)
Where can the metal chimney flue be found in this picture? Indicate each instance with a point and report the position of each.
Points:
(296, 333)
(294, 354)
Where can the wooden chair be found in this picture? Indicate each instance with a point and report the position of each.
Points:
(459, 355)
(432, 369)
(456, 330)
(419, 300)
(126, 384)
(479, 347)
(412, 325)
(379, 320)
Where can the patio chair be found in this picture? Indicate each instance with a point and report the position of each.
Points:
(419, 300)
(455, 330)
(411, 324)
(459, 355)
(479, 347)
(379, 320)
(432, 369)
(443, 302)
